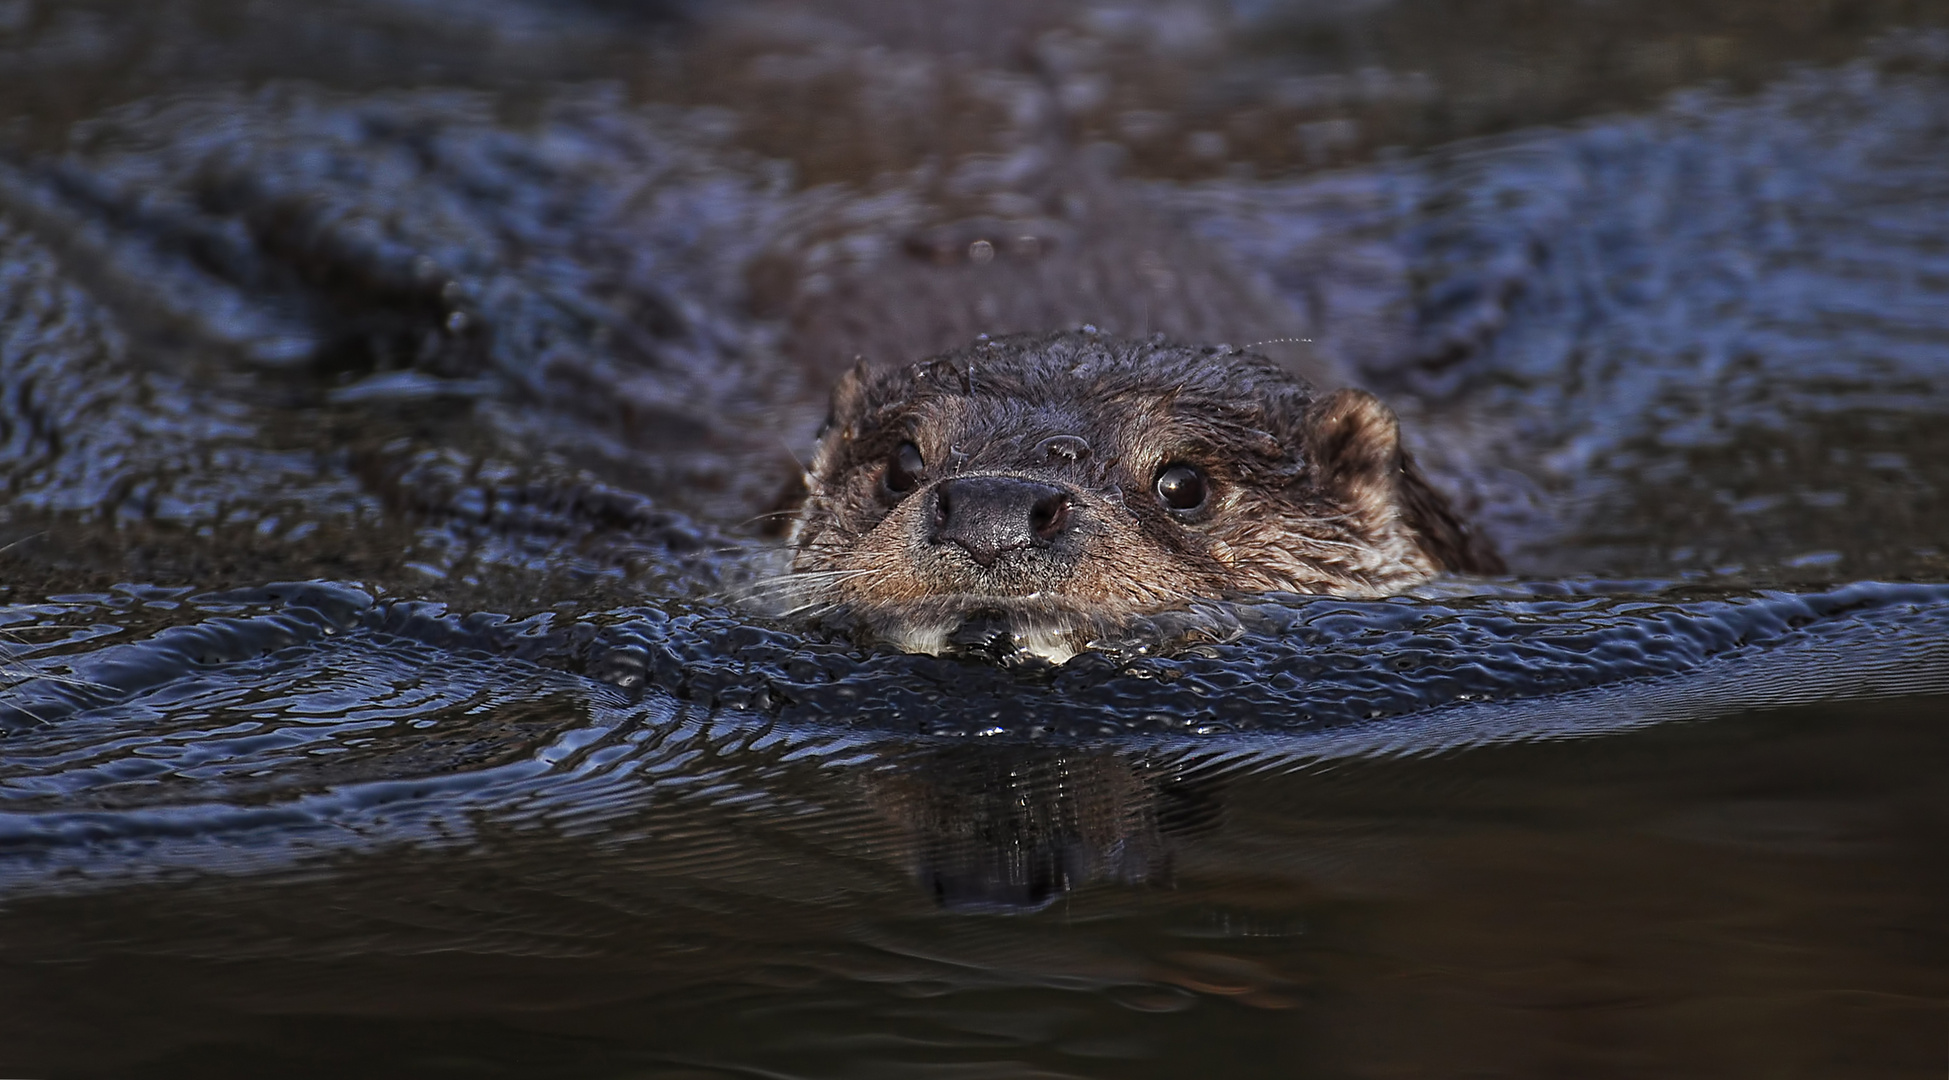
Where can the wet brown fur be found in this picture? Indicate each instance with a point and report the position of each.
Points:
(1309, 493)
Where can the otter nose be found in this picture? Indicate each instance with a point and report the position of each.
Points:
(991, 515)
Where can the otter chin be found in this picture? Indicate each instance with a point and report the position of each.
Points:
(1031, 493)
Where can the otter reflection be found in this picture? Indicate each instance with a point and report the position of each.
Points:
(1013, 827)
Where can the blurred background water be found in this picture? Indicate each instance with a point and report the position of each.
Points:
(393, 395)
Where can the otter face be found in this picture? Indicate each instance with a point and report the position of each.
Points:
(1049, 487)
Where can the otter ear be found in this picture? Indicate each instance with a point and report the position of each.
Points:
(1353, 443)
(849, 398)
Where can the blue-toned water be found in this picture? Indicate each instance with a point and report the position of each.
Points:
(395, 402)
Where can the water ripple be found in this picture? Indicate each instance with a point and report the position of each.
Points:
(309, 718)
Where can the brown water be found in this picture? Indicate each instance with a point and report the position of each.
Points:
(392, 396)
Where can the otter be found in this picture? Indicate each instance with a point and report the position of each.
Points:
(1043, 489)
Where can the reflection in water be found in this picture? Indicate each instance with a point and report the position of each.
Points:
(1009, 827)
(727, 900)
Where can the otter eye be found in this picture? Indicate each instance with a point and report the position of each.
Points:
(1182, 487)
(903, 469)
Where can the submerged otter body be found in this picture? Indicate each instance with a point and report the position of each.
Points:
(1051, 486)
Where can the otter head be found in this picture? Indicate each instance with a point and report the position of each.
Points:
(1048, 487)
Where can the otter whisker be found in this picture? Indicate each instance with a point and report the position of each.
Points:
(767, 514)
(803, 579)
(800, 582)
(820, 606)
(1348, 545)
(15, 672)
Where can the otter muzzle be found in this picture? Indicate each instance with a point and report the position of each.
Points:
(990, 516)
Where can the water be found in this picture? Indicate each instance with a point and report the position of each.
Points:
(392, 399)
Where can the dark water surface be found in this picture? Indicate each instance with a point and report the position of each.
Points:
(393, 398)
